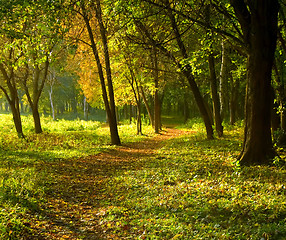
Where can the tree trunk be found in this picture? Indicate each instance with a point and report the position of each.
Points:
(139, 120)
(260, 32)
(154, 58)
(150, 114)
(13, 99)
(200, 102)
(186, 108)
(187, 71)
(156, 111)
(215, 97)
(52, 103)
(17, 119)
(234, 86)
(37, 120)
(222, 78)
(85, 108)
(108, 96)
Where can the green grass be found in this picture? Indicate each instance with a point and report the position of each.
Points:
(194, 190)
(22, 188)
(190, 189)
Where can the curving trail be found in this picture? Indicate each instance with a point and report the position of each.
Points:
(73, 203)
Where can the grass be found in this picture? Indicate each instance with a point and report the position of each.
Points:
(190, 189)
(22, 187)
(193, 190)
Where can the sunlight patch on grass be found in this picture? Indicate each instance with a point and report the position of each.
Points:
(194, 190)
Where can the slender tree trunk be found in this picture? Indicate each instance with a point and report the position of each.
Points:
(108, 96)
(85, 108)
(223, 80)
(213, 78)
(221, 77)
(52, 103)
(136, 92)
(156, 111)
(234, 86)
(215, 97)
(186, 108)
(187, 71)
(139, 120)
(200, 102)
(150, 114)
(112, 112)
(154, 58)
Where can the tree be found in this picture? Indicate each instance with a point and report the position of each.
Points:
(30, 31)
(258, 21)
(11, 58)
(171, 41)
(213, 78)
(43, 33)
(86, 11)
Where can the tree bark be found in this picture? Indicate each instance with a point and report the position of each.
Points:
(108, 96)
(259, 26)
(156, 92)
(52, 103)
(215, 97)
(17, 120)
(200, 102)
(234, 86)
(150, 114)
(37, 120)
(37, 88)
(11, 94)
(187, 71)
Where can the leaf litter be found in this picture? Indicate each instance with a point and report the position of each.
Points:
(82, 194)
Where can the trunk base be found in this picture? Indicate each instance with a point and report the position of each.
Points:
(251, 157)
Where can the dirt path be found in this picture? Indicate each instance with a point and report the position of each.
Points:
(72, 210)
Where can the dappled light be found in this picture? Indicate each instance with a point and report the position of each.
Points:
(142, 119)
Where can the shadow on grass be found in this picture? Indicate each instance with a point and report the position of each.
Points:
(189, 188)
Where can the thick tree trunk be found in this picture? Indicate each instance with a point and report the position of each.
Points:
(260, 32)
(257, 146)
(215, 97)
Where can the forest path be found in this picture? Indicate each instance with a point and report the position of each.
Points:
(80, 189)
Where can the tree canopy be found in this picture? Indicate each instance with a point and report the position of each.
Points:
(195, 58)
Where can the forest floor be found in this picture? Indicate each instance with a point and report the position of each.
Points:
(79, 190)
(69, 183)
